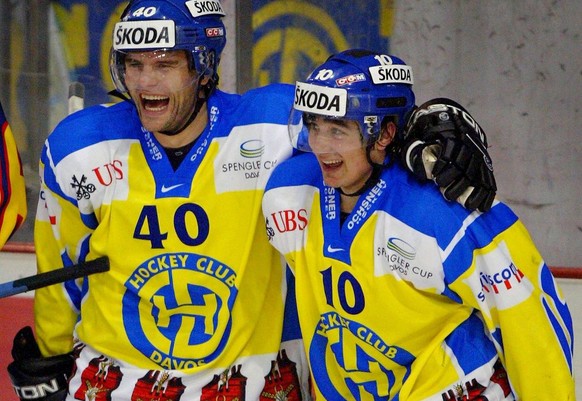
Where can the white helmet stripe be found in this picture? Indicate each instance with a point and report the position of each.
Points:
(132, 35)
(391, 74)
(320, 99)
(199, 8)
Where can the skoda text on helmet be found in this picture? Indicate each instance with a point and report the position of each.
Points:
(357, 85)
(194, 26)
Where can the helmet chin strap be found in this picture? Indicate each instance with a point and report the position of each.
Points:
(207, 89)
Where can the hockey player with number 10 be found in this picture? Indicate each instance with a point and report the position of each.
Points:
(400, 294)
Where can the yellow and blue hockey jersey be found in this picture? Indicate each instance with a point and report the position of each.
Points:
(194, 298)
(416, 298)
(12, 189)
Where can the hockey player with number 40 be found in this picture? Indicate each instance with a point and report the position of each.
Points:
(400, 294)
(168, 185)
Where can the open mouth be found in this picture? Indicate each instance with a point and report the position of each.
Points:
(330, 166)
(154, 102)
(331, 163)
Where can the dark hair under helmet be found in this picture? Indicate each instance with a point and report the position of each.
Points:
(192, 25)
(358, 85)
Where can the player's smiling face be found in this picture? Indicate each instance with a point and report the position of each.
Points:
(341, 153)
(163, 88)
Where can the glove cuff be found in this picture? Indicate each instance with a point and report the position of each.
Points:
(41, 379)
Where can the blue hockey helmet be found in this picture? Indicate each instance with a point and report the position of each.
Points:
(358, 85)
(194, 26)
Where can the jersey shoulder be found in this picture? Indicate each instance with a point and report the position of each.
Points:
(271, 103)
(301, 169)
(267, 105)
(422, 206)
(93, 125)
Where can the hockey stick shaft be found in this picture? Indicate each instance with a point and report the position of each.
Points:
(54, 277)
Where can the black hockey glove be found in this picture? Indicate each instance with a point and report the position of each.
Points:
(36, 377)
(443, 143)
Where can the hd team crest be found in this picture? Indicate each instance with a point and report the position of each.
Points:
(186, 290)
(354, 347)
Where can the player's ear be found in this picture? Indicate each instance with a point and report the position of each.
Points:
(386, 137)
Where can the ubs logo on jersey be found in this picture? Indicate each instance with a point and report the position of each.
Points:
(370, 364)
(289, 220)
(270, 230)
(109, 172)
(83, 189)
(177, 309)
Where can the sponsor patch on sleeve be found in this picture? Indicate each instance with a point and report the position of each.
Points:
(199, 8)
(392, 74)
(320, 99)
(133, 35)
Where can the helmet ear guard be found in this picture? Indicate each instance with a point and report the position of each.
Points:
(148, 25)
